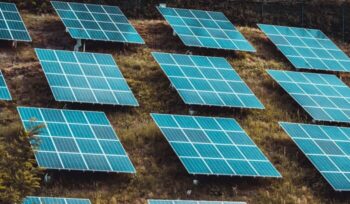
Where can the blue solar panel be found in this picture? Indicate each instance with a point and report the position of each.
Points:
(204, 80)
(75, 140)
(85, 77)
(191, 202)
(325, 97)
(214, 146)
(208, 29)
(53, 200)
(96, 22)
(11, 24)
(4, 91)
(327, 147)
(307, 48)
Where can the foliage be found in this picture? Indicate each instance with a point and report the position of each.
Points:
(19, 175)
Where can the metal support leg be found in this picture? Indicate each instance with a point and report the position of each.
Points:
(77, 45)
(14, 44)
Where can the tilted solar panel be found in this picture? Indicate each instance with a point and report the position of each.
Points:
(325, 97)
(4, 91)
(198, 28)
(307, 48)
(11, 24)
(96, 22)
(214, 146)
(54, 200)
(75, 140)
(191, 202)
(327, 147)
(85, 77)
(204, 80)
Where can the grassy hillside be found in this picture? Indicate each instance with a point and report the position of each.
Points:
(159, 172)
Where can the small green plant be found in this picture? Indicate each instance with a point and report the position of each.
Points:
(19, 175)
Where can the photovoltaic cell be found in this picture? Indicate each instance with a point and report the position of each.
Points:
(325, 97)
(96, 22)
(53, 200)
(198, 28)
(191, 202)
(11, 24)
(327, 147)
(204, 80)
(214, 146)
(85, 77)
(307, 48)
(75, 140)
(4, 91)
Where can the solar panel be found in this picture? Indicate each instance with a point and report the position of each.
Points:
(307, 48)
(209, 29)
(96, 22)
(85, 77)
(191, 202)
(4, 91)
(75, 140)
(327, 147)
(53, 200)
(214, 146)
(204, 80)
(11, 24)
(325, 97)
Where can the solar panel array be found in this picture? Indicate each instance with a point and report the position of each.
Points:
(204, 80)
(208, 29)
(96, 22)
(191, 202)
(11, 24)
(325, 97)
(75, 140)
(327, 147)
(53, 200)
(85, 77)
(4, 91)
(214, 146)
(307, 48)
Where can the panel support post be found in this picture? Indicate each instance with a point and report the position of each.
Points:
(77, 46)
(14, 44)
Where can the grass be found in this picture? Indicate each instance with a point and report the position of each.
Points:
(159, 172)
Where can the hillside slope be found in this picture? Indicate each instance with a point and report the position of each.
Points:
(159, 172)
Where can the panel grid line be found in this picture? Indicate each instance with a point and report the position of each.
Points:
(321, 145)
(85, 77)
(89, 143)
(219, 32)
(15, 28)
(210, 148)
(106, 24)
(325, 97)
(307, 48)
(206, 81)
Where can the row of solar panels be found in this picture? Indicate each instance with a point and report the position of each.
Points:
(53, 200)
(86, 141)
(304, 48)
